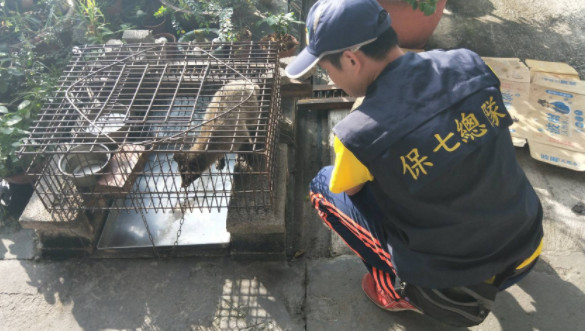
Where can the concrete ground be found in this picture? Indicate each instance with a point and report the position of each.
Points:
(319, 289)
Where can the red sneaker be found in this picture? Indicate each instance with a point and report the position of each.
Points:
(382, 299)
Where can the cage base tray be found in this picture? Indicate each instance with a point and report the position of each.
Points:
(126, 230)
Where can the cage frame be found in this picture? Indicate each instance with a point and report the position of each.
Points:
(86, 92)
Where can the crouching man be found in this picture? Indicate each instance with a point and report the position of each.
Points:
(425, 187)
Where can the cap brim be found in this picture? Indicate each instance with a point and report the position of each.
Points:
(302, 64)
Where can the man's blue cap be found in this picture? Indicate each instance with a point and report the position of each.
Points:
(337, 25)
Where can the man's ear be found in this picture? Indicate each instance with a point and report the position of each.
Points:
(350, 61)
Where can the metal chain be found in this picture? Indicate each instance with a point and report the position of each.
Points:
(149, 233)
(183, 211)
(176, 244)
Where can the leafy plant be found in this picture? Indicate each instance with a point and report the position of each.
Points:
(12, 130)
(428, 7)
(280, 23)
(35, 82)
(92, 18)
(97, 30)
(225, 15)
(17, 26)
(226, 28)
(184, 11)
(162, 11)
(9, 74)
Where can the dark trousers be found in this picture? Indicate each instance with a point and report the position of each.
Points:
(351, 218)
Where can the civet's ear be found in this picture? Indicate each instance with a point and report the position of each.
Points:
(179, 157)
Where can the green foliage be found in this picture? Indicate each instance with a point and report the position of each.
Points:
(93, 21)
(225, 15)
(162, 11)
(190, 10)
(91, 16)
(34, 83)
(17, 26)
(12, 131)
(280, 23)
(428, 7)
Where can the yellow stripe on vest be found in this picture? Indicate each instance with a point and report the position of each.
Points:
(524, 264)
(532, 257)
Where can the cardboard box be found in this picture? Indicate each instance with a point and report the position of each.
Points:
(558, 134)
(554, 68)
(515, 87)
(557, 156)
(547, 103)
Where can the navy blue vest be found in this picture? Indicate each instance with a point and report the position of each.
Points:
(433, 131)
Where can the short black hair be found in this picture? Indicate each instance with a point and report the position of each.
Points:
(376, 49)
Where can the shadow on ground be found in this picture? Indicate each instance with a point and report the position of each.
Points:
(179, 294)
(544, 300)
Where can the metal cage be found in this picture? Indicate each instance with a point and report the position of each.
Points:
(159, 127)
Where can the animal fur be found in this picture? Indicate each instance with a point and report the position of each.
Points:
(217, 136)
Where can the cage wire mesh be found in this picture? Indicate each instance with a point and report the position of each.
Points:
(159, 127)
